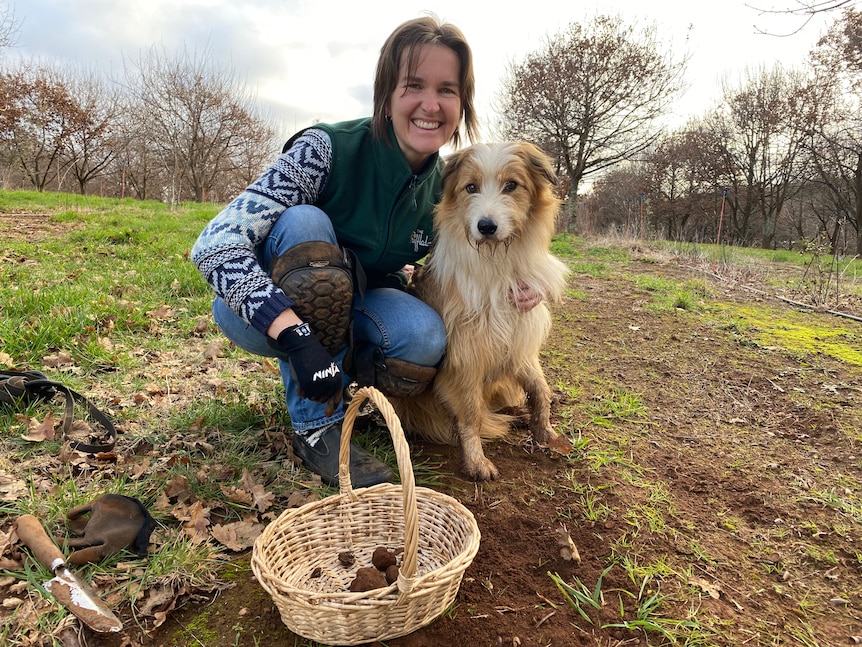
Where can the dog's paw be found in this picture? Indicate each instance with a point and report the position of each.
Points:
(554, 441)
(481, 470)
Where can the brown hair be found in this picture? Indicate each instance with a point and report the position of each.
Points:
(403, 46)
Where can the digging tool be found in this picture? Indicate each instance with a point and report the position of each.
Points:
(67, 589)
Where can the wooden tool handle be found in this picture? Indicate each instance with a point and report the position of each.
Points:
(32, 533)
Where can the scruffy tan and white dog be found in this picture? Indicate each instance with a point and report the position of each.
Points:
(493, 231)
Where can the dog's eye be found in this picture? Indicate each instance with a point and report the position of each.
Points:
(510, 186)
(471, 188)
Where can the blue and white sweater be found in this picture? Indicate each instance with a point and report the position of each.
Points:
(379, 207)
(225, 251)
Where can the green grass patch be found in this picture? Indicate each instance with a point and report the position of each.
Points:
(804, 333)
(671, 295)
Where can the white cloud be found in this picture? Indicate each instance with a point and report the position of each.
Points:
(314, 60)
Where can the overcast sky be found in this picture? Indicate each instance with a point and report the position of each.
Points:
(313, 60)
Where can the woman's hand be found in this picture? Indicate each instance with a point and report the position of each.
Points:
(525, 298)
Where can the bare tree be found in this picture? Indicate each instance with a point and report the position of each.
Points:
(91, 144)
(593, 97)
(806, 10)
(36, 120)
(808, 7)
(760, 130)
(196, 115)
(679, 186)
(9, 25)
(256, 147)
(836, 138)
(616, 202)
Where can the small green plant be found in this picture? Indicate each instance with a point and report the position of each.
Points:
(621, 405)
(579, 595)
(592, 509)
(849, 504)
(648, 617)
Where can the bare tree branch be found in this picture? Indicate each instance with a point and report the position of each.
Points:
(806, 9)
(593, 97)
(9, 25)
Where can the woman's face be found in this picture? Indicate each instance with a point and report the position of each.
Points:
(426, 106)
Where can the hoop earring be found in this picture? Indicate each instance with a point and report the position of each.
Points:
(388, 118)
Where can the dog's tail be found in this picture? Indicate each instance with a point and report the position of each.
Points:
(424, 416)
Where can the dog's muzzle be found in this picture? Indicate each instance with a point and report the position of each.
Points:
(487, 227)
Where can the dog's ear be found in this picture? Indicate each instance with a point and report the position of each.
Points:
(539, 162)
(452, 165)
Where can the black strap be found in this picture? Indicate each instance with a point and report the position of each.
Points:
(30, 386)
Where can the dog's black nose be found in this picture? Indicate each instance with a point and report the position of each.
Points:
(487, 226)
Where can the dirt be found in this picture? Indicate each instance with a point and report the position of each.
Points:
(748, 454)
(727, 491)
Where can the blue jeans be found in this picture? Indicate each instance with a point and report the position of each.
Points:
(401, 325)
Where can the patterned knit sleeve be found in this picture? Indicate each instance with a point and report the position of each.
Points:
(225, 251)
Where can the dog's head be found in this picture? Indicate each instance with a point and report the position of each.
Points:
(494, 190)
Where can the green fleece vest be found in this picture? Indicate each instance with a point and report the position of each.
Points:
(380, 209)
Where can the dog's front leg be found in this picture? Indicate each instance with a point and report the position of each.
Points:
(474, 462)
(468, 412)
(539, 404)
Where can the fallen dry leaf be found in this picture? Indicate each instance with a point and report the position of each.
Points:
(178, 488)
(568, 550)
(713, 590)
(7, 564)
(197, 525)
(57, 361)
(11, 487)
(561, 445)
(214, 350)
(237, 495)
(262, 499)
(162, 502)
(202, 325)
(40, 431)
(157, 597)
(299, 498)
(139, 470)
(162, 312)
(237, 536)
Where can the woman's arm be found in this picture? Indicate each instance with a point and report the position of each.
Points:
(225, 250)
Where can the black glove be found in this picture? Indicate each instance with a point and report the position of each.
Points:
(318, 377)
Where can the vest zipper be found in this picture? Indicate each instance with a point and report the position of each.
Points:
(413, 189)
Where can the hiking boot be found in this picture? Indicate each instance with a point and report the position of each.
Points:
(322, 459)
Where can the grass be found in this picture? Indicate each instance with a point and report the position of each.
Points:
(112, 306)
(107, 301)
(580, 596)
(792, 331)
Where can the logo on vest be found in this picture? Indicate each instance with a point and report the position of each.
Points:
(419, 239)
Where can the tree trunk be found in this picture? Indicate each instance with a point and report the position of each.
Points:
(858, 186)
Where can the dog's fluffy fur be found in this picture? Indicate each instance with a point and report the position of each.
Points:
(493, 228)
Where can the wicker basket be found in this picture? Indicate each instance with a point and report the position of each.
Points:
(295, 559)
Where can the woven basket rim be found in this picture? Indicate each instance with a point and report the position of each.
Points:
(411, 593)
(388, 490)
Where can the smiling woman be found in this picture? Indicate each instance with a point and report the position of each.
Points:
(346, 200)
(425, 108)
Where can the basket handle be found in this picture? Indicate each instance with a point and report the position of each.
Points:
(405, 467)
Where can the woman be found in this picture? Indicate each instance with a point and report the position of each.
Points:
(338, 216)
